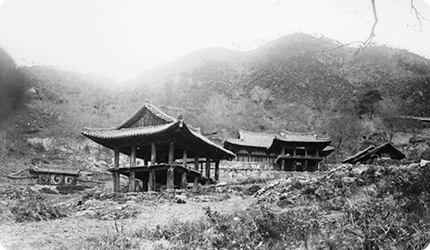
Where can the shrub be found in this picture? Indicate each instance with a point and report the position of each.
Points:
(35, 208)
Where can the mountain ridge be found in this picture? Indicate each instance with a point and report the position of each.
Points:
(302, 85)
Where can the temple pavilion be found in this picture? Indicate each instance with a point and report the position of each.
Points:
(288, 150)
(173, 153)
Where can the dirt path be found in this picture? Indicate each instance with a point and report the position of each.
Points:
(55, 233)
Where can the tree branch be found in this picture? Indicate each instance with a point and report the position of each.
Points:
(372, 34)
(417, 15)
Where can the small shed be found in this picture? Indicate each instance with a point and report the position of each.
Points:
(383, 151)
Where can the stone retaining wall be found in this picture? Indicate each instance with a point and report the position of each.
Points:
(231, 171)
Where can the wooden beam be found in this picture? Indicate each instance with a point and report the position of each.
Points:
(208, 167)
(217, 170)
(132, 177)
(171, 153)
(151, 180)
(170, 180)
(184, 182)
(196, 183)
(283, 159)
(153, 154)
(145, 182)
(185, 158)
(115, 175)
(196, 162)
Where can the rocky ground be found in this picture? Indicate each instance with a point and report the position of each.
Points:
(344, 207)
(38, 217)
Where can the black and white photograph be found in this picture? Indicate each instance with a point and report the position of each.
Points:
(203, 124)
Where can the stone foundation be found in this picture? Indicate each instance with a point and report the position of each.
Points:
(231, 171)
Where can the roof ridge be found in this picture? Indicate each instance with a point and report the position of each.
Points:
(298, 133)
(155, 111)
(195, 129)
(255, 133)
(159, 113)
(126, 129)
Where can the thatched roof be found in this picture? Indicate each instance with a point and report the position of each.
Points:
(370, 151)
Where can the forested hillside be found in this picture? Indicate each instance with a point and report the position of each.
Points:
(301, 83)
(297, 83)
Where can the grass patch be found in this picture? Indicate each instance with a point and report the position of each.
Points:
(35, 208)
(394, 215)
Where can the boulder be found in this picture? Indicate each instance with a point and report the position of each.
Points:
(416, 139)
(359, 170)
(348, 180)
(424, 163)
(180, 199)
(86, 213)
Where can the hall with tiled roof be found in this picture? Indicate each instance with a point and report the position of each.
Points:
(161, 142)
(289, 150)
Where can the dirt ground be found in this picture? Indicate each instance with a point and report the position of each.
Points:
(55, 234)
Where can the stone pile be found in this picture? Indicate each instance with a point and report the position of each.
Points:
(336, 182)
(106, 210)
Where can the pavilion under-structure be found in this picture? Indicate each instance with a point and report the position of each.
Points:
(290, 151)
(173, 153)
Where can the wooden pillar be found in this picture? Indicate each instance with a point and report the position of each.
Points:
(171, 153)
(151, 180)
(283, 158)
(306, 152)
(196, 183)
(294, 152)
(170, 180)
(185, 158)
(305, 168)
(153, 154)
(132, 176)
(208, 167)
(115, 175)
(217, 170)
(145, 182)
(184, 183)
(196, 162)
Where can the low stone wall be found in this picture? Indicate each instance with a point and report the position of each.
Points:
(231, 171)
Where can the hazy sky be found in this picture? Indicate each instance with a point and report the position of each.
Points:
(120, 39)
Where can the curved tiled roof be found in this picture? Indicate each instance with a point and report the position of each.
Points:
(124, 133)
(288, 136)
(252, 139)
(266, 140)
(209, 142)
(170, 130)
